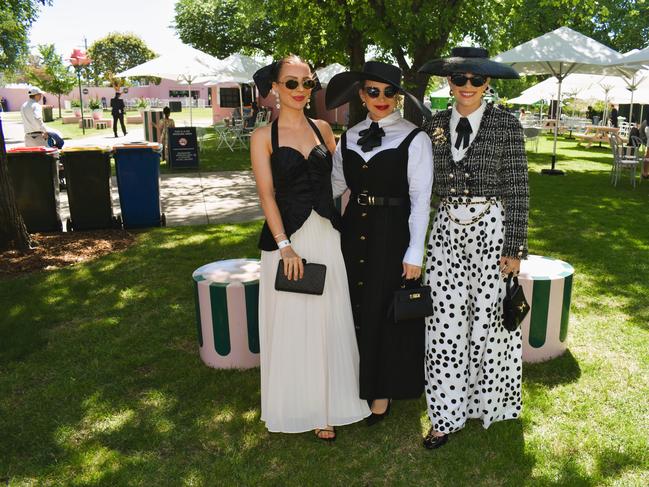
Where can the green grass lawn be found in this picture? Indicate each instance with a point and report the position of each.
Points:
(101, 382)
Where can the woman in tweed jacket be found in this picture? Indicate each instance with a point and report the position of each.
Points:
(479, 236)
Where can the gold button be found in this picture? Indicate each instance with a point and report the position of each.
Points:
(362, 261)
(364, 214)
(360, 283)
(452, 190)
(466, 191)
(466, 174)
(520, 253)
(365, 166)
(521, 248)
(451, 176)
(362, 237)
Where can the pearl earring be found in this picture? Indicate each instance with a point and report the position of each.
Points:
(308, 104)
(277, 105)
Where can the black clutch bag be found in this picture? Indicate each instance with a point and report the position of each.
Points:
(515, 306)
(312, 282)
(411, 302)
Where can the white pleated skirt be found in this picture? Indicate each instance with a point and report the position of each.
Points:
(308, 350)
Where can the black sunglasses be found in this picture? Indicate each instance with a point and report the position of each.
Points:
(374, 92)
(460, 80)
(291, 84)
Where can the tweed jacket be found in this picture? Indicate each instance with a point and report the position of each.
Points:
(495, 165)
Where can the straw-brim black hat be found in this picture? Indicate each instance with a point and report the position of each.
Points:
(473, 60)
(343, 87)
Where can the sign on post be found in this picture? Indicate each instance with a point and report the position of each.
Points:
(183, 147)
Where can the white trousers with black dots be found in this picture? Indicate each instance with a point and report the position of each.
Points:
(472, 364)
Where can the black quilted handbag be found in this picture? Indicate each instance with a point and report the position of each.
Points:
(411, 302)
(312, 282)
(515, 306)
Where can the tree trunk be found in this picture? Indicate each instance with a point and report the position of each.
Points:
(13, 234)
(356, 51)
(416, 83)
(59, 96)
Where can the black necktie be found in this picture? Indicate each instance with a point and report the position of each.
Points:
(371, 137)
(463, 130)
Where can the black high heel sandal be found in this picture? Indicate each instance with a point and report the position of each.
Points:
(330, 439)
(377, 418)
(431, 441)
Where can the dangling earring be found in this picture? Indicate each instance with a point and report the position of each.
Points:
(308, 104)
(450, 92)
(277, 105)
(364, 105)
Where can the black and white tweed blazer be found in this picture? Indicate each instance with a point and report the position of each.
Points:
(495, 165)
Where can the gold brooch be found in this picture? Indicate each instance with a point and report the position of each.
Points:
(438, 137)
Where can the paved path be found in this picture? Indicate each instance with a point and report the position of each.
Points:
(199, 198)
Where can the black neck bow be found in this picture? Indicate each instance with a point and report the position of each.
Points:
(371, 137)
(464, 131)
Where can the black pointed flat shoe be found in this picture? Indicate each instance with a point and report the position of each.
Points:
(377, 418)
(431, 441)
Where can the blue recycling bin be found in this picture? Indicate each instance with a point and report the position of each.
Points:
(138, 182)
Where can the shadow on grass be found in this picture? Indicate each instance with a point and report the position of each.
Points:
(559, 371)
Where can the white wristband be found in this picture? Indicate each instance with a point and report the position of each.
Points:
(283, 243)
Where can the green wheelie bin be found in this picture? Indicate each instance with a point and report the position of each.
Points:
(33, 172)
(87, 172)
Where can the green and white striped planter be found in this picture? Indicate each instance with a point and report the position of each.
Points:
(227, 318)
(547, 284)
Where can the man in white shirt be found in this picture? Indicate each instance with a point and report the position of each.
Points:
(32, 115)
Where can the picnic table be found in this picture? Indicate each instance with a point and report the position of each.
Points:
(597, 133)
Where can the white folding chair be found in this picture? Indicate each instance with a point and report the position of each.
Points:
(628, 158)
(223, 137)
(532, 135)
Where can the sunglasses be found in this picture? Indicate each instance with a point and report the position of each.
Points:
(292, 84)
(460, 80)
(374, 92)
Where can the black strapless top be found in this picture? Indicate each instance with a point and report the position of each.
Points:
(301, 185)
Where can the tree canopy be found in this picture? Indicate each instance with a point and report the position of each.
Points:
(49, 72)
(16, 17)
(115, 53)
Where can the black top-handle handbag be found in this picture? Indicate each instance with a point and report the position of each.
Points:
(410, 302)
(312, 282)
(515, 306)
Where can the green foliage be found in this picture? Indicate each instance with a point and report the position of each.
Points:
(94, 103)
(115, 53)
(16, 17)
(49, 72)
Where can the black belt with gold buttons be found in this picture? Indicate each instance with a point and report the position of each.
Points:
(365, 199)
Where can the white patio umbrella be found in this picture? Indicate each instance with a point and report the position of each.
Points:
(236, 68)
(560, 53)
(184, 64)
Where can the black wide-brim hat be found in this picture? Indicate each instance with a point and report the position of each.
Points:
(343, 87)
(473, 60)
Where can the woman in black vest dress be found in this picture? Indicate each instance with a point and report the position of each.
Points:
(385, 161)
(309, 356)
(479, 235)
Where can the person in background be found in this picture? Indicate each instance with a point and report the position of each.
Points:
(164, 124)
(644, 135)
(590, 113)
(614, 116)
(117, 110)
(252, 119)
(31, 113)
(522, 115)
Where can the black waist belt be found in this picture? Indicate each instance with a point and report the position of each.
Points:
(364, 199)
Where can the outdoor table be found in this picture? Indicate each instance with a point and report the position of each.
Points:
(547, 284)
(227, 299)
(597, 133)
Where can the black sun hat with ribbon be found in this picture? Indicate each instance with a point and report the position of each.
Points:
(473, 60)
(343, 87)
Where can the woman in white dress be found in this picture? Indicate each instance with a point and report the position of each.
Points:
(309, 356)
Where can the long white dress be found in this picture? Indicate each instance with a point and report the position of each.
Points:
(309, 356)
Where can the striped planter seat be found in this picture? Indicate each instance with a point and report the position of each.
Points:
(547, 284)
(227, 297)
